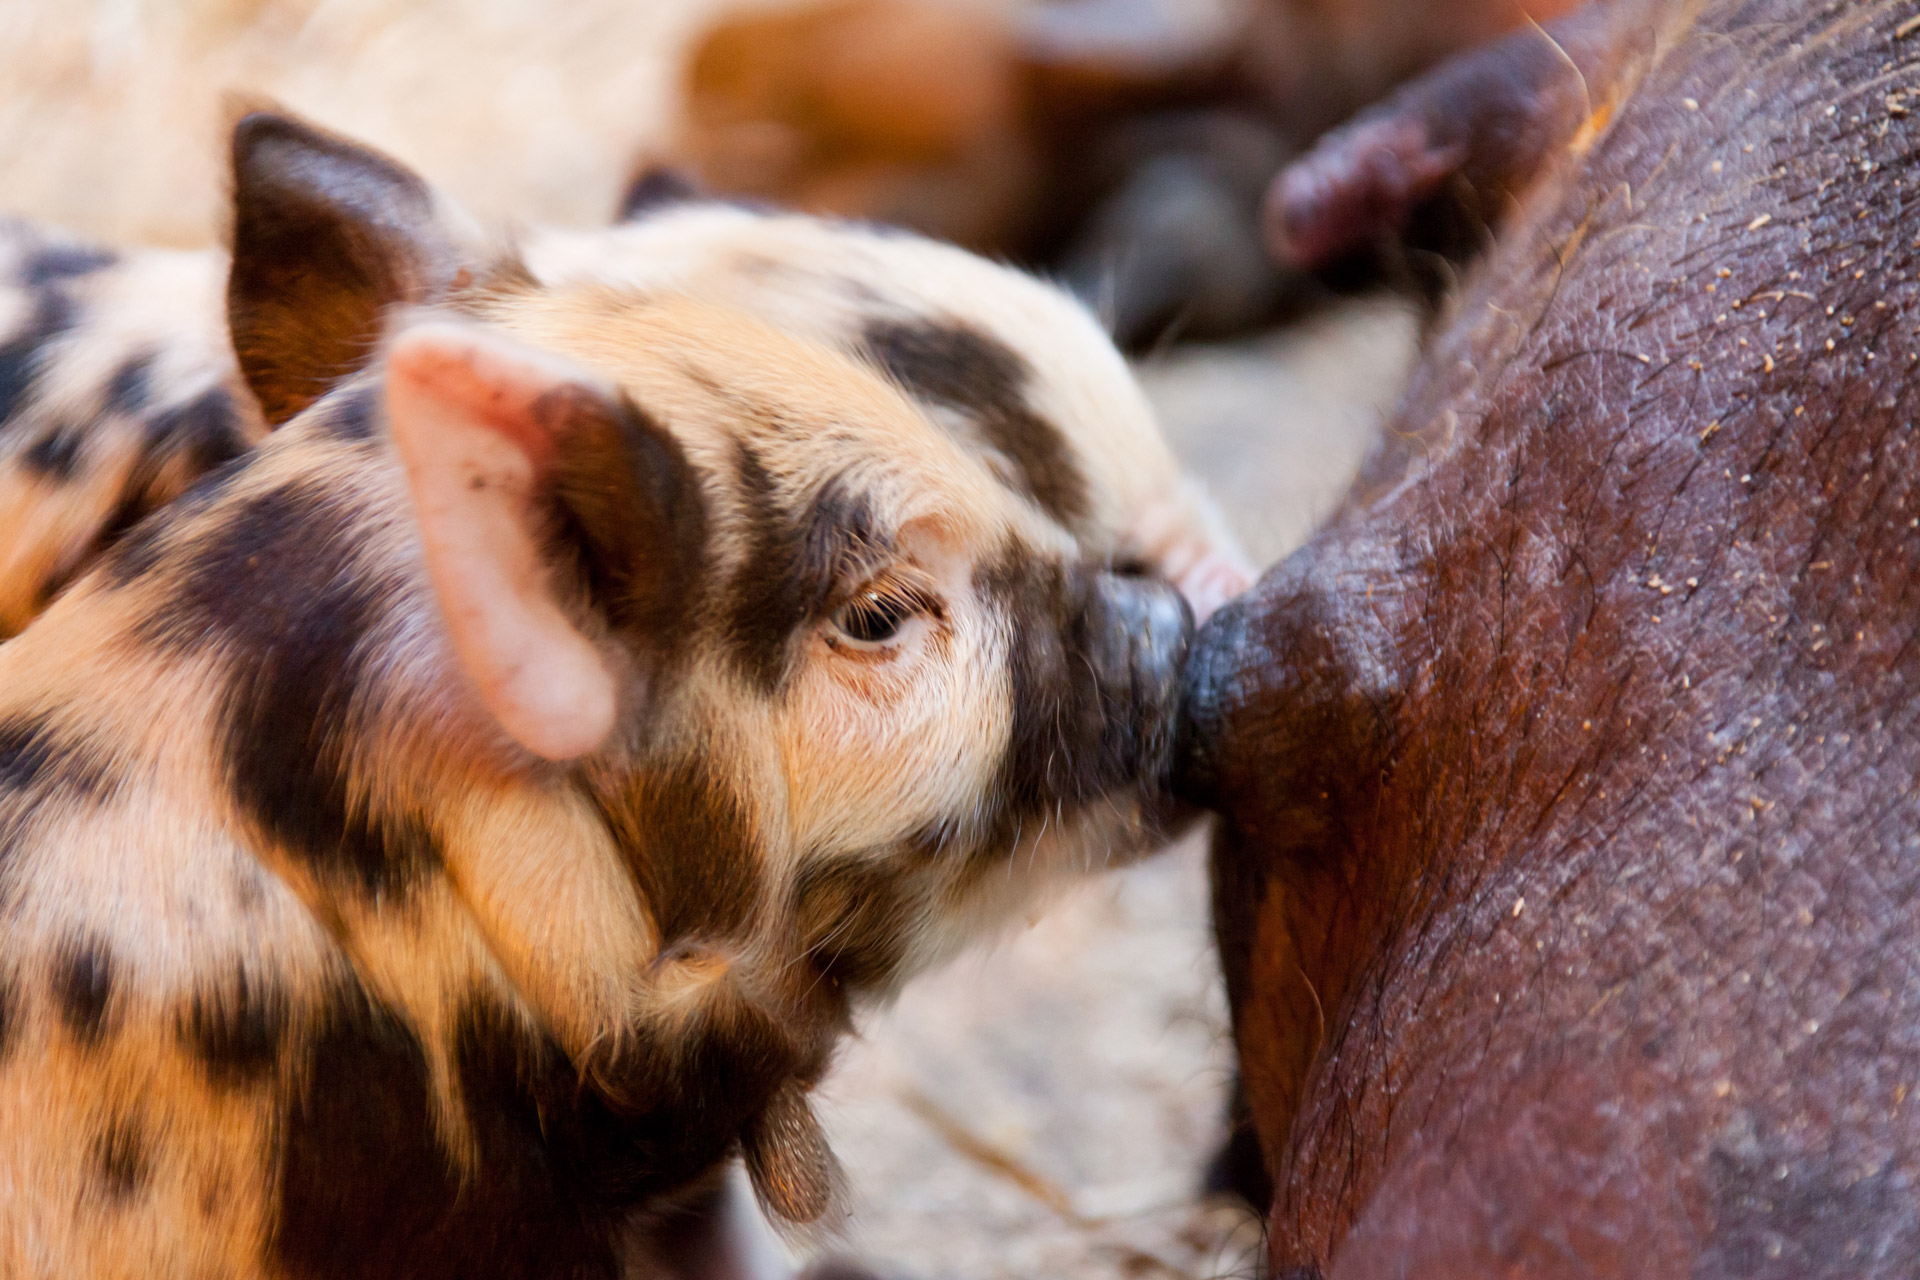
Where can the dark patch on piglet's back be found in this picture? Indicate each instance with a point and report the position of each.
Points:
(278, 591)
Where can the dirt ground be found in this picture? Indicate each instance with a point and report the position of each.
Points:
(1043, 1109)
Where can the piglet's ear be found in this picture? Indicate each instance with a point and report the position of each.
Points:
(533, 479)
(327, 235)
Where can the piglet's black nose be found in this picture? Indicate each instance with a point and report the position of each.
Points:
(1138, 633)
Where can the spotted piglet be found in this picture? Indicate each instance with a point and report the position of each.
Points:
(117, 392)
(441, 840)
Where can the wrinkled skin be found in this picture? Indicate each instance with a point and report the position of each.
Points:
(1569, 883)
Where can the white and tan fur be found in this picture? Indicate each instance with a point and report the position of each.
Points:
(157, 316)
(834, 282)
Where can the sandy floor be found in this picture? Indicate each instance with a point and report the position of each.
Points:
(1042, 1110)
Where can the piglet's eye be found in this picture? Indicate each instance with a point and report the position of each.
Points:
(877, 612)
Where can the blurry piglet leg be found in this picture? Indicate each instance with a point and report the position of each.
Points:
(1492, 116)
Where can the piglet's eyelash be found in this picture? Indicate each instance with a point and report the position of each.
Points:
(897, 596)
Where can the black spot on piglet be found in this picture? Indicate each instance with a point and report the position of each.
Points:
(658, 187)
(278, 588)
(127, 389)
(20, 354)
(83, 979)
(55, 455)
(205, 431)
(367, 1188)
(235, 1031)
(34, 759)
(9, 1016)
(121, 1167)
(63, 262)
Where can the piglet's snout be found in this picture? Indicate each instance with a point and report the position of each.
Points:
(1138, 634)
(1139, 630)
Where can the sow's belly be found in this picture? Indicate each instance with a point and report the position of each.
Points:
(1569, 882)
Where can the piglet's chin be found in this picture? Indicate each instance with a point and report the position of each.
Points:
(1138, 827)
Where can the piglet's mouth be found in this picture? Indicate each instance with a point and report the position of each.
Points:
(1213, 660)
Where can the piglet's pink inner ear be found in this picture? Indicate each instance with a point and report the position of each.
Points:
(480, 422)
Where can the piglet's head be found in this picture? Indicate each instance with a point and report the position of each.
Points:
(826, 678)
(840, 696)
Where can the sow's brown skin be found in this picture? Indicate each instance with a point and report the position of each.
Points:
(1569, 882)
